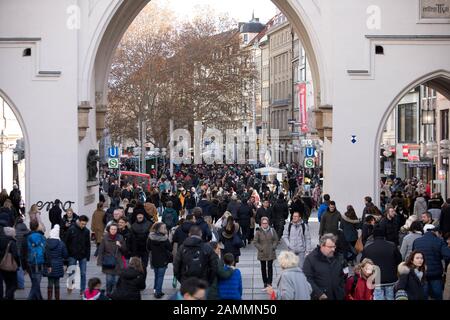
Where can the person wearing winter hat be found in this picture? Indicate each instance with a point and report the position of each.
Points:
(8, 242)
(434, 250)
(55, 253)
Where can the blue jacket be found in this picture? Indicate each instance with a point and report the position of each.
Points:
(206, 232)
(435, 249)
(55, 253)
(231, 288)
(322, 209)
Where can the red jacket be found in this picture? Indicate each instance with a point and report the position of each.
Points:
(361, 292)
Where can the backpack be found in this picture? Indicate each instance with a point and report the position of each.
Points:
(290, 226)
(36, 249)
(168, 219)
(194, 262)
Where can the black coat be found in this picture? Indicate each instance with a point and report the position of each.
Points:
(205, 205)
(128, 238)
(298, 206)
(280, 210)
(209, 270)
(7, 216)
(182, 232)
(444, 223)
(78, 242)
(244, 214)
(129, 285)
(385, 255)
(324, 275)
(161, 250)
(140, 232)
(231, 245)
(409, 282)
(66, 224)
(4, 240)
(55, 215)
(262, 212)
(391, 229)
(233, 207)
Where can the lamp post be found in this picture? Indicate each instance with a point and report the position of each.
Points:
(3, 148)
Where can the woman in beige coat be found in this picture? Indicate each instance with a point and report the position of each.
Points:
(266, 242)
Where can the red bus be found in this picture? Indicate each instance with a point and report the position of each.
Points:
(136, 179)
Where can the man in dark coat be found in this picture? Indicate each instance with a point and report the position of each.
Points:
(280, 213)
(182, 233)
(435, 250)
(387, 257)
(330, 220)
(201, 223)
(244, 214)
(78, 243)
(55, 214)
(324, 271)
(205, 205)
(140, 230)
(195, 258)
(264, 211)
(390, 226)
(233, 206)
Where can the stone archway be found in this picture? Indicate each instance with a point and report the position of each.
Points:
(118, 17)
(438, 80)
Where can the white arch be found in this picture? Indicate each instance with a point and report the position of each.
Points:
(435, 75)
(121, 14)
(25, 135)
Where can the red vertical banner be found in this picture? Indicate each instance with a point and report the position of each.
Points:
(302, 102)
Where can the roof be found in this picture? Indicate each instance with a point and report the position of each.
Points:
(252, 27)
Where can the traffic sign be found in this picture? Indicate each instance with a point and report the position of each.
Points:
(113, 163)
(309, 152)
(113, 152)
(309, 163)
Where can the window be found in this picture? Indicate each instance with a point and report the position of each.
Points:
(444, 124)
(407, 123)
(245, 38)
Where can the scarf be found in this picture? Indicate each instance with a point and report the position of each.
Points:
(418, 273)
(113, 237)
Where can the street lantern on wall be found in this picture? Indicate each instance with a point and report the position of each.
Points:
(428, 117)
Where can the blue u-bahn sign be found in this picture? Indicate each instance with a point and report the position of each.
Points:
(113, 152)
(309, 152)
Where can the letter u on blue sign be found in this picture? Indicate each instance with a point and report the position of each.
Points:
(113, 152)
(310, 152)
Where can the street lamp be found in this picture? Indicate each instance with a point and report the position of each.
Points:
(3, 148)
(428, 117)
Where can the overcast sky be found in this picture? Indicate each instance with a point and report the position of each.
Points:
(240, 10)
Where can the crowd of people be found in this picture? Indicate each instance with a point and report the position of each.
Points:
(198, 221)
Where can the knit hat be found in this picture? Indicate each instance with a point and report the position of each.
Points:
(54, 233)
(428, 227)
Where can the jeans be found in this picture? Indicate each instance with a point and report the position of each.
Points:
(383, 293)
(267, 271)
(20, 278)
(436, 287)
(111, 281)
(82, 263)
(159, 279)
(10, 279)
(36, 277)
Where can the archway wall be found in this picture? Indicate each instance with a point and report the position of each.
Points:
(367, 86)
(42, 91)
